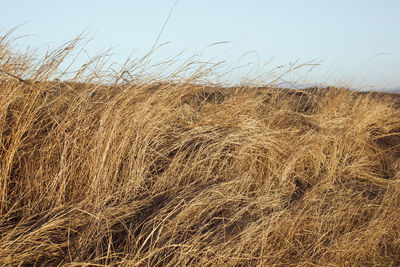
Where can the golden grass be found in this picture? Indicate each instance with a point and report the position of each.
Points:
(151, 174)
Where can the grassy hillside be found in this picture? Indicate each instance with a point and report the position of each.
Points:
(150, 174)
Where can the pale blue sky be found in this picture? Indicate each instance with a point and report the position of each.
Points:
(357, 42)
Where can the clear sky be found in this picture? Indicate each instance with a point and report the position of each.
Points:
(357, 42)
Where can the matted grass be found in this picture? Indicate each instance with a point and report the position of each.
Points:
(174, 173)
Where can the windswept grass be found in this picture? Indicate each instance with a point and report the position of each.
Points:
(177, 173)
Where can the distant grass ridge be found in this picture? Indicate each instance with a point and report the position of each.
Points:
(176, 173)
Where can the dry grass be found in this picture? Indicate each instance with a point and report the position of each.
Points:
(147, 174)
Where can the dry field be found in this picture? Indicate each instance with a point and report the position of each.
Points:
(160, 174)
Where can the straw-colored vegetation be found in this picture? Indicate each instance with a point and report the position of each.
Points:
(174, 173)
